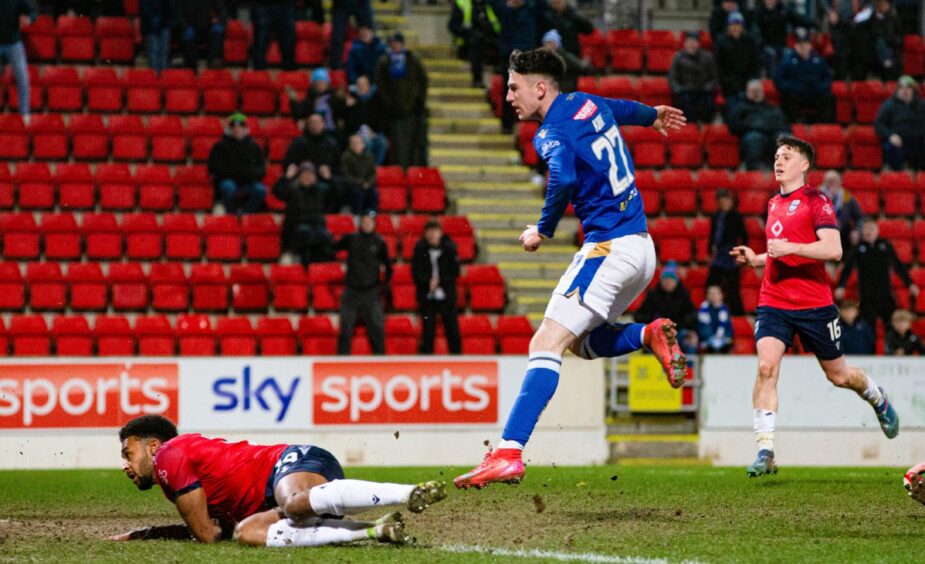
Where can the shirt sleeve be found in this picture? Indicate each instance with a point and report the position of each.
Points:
(629, 112)
(561, 163)
(174, 472)
(824, 213)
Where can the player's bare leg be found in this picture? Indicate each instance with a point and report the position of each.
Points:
(765, 403)
(844, 375)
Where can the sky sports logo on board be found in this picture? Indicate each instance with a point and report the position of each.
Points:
(405, 392)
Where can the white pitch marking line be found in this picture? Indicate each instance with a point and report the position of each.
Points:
(551, 555)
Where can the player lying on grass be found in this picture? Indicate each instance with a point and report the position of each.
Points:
(914, 482)
(277, 495)
(796, 298)
(591, 167)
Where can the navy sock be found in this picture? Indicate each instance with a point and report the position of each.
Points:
(608, 341)
(538, 388)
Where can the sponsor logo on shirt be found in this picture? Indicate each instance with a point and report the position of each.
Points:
(777, 228)
(542, 134)
(549, 146)
(585, 111)
(827, 209)
(598, 123)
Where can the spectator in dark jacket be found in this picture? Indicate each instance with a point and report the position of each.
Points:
(435, 268)
(574, 67)
(899, 339)
(237, 166)
(771, 21)
(319, 147)
(847, 37)
(358, 169)
(202, 23)
(882, 35)
(900, 124)
(876, 261)
(365, 53)
(714, 324)
(736, 59)
(758, 124)
(402, 82)
(727, 230)
(475, 29)
(320, 99)
(341, 10)
(847, 210)
(804, 81)
(364, 113)
(521, 22)
(304, 230)
(14, 13)
(368, 271)
(672, 300)
(857, 336)
(562, 17)
(157, 19)
(274, 18)
(719, 17)
(693, 80)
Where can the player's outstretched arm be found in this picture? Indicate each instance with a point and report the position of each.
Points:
(195, 512)
(157, 532)
(667, 118)
(745, 256)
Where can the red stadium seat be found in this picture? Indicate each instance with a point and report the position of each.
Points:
(401, 335)
(14, 140)
(116, 38)
(661, 46)
(195, 335)
(721, 145)
(210, 287)
(753, 202)
(685, 147)
(156, 189)
(76, 186)
(203, 133)
(478, 336)
(404, 296)
(514, 334)
(236, 336)
(618, 87)
(129, 142)
(249, 288)
(169, 287)
(261, 237)
(61, 236)
(47, 288)
(41, 39)
(655, 90)
(7, 198)
(428, 190)
(259, 93)
(102, 236)
(35, 186)
(181, 91)
(129, 287)
(594, 48)
(29, 334)
(223, 237)
(63, 92)
(113, 336)
(168, 140)
(12, 287)
(143, 236)
(182, 237)
(625, 50)
(89, 137)
(117, 186)
(868, 96)
(486, 288)
(236, 47)
(20, 236)
(75, 34)
(279, 132)
(219, 92)
(831, 146)
(49, 137)
(72, 336)
(864, 144)
(648, 146)
(317, 336)
(289, 286)
(142, 91)
(104, 89)
(87, 287)
(752, 180)
(899, 193)
(155, 336)
(277, 337)
(327, 282)
(194, 189)
(864, 187)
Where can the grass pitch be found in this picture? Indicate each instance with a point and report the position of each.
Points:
(612, 513)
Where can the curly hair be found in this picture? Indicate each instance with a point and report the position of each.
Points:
(149, 427)
(803, 147)
(538, 61)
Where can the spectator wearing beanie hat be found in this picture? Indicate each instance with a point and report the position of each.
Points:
(574, 67)
(321, 99)
(237, 166)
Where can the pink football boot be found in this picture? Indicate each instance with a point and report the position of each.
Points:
(503, 465)
(662, 339)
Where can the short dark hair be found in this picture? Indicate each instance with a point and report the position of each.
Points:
(433, 223)
(149, 427)
(803, 147)
(538, 61)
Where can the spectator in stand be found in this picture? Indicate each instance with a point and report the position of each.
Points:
(435, 268)
(671, 299)
(237, 166)
(771, 21)
(574, 67)
(876, 261)
(727, 230)
(714, 324)
(402, 82)
(341, 10)
(900, 123)
(882, 38)
(202, 23)
(364, 113)
(369, 270)
(14, 13)
(318, 147)
(758, 123)
(475, 29)
(693, 80)
(804, 81)
(847, 209)
(157, 19)
(274, 19)
(365, 53)
(899, 339)
(321, 99)
(719, 17)
(304, 232)
(736, 60)
(521, 22)
(562, 17)
(358, 168)
(312, 10)
(846, 37)
(857, 336)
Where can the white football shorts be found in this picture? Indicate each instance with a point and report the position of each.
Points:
(602, 281)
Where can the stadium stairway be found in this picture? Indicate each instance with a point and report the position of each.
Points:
(486, 181)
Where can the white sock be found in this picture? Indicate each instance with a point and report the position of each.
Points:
(763, 422)
(510, 444)
(872, 394)
(347, 497)
(285, 533)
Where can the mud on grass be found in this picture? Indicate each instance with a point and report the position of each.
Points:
(687, 513)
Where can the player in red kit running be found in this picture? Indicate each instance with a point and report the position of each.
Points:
(277, 495)
(795, 297)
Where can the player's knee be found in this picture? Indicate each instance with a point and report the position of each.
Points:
(838, 377)
(767, 370)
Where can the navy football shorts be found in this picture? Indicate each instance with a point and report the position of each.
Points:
(819, 328)
(302, 458)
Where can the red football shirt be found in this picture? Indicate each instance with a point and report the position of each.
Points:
(794, 282)
(232, 475)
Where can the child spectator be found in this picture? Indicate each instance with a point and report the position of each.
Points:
(900, 340)
(857, 336)
(714, 325)
(358, 169)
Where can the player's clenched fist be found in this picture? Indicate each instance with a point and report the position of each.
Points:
(531, 239)
(778, 248)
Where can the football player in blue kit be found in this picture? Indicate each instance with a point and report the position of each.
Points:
(591, 167)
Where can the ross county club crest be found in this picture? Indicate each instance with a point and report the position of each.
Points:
(793, 207)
